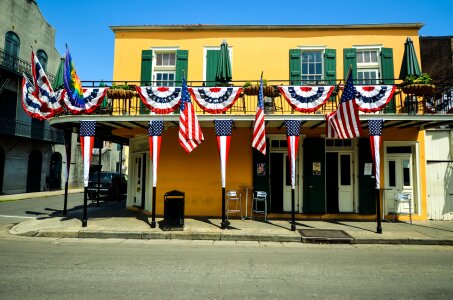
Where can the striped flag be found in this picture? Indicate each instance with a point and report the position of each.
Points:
(87, 130)
(375, 128)
(190, 134)
(223, 129)
(259, 132)
(292, 136)
(155, 129)
(344, 123)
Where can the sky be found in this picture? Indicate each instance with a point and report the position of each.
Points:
(84, 24)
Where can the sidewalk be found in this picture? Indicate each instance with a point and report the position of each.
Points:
(24, 196)
(112, 220)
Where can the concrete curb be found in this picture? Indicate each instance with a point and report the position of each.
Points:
(25, 196)
(174, 235)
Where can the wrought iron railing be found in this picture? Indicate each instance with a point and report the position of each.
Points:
(440, 101)
(18, 65)
(28, 130)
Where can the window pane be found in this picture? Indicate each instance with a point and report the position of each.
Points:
(367, 56)
(406, 173)
(318, 68)
(159, 59)
(359, 57)
(345, 169)
(374, 56)
(172, 59)
(288, 173)
(284, 143)
(399, 149)
(274, 143)
(392, 175)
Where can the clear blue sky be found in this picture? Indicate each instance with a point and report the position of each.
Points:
(84, 25)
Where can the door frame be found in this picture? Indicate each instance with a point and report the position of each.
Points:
(131, 180)
(298, 194)
(417, 209)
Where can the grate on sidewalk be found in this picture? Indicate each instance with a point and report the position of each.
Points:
(325, 236)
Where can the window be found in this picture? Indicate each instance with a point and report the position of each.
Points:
(164, 68)
(367, 66)
(12, 46)
(312, 66)
(42, 56)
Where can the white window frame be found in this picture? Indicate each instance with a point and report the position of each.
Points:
(162, 69)
(205, 53)
(321, 49)
(372, 65)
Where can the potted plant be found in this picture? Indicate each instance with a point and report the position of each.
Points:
(250, 89)
(121, 92)
(418, 85)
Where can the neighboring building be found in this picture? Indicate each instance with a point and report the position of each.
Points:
(331, 178)
(437, 60)
(31, 152)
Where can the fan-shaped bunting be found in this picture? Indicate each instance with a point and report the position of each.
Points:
(215, 100)
(161, 100)
(371, 98)
(306, 98)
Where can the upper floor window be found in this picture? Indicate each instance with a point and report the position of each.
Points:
(367, 66)
(312, 65)
(164, 68)
(12, 43)
(42, 56)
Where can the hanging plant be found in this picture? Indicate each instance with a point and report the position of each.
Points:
(121, 92)
(418, 86)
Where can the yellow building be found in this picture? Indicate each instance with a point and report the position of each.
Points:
(332, 175)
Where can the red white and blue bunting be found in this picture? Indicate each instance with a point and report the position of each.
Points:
(32, 106)
(92, 98)
(160, 100)
(306, 99)
(371, 98)
(215, 100)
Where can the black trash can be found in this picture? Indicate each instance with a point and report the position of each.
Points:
(173, 210)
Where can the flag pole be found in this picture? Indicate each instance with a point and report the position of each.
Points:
(85, 218)
(67, 143)
(153, 213)
(224, 223)
(99, 173)
(378, 210)
(293, 211)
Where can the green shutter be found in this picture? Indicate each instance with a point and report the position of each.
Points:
(212, 57)
(182, 61)
(350, 58)
(388, 75)
(295, 66)
(146, 73)
(367, 201)
(314, 187)
(330, 66)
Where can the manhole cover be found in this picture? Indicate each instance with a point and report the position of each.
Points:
(325, 235)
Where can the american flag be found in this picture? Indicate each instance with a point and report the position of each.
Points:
(259, 132)
(375, 128)
(155, 129)
(190, 134)
(223, 130)
(87, 130)
(292, 136)
(344, 123)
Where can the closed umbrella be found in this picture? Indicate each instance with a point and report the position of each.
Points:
(58, 82)
(410, 64)
(223, 73)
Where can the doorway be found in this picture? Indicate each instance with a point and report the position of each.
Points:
(399, 178)
(281, 183)
(55, 171)
(139, 180)
(34, 172)
(2, 168)
(339, 182)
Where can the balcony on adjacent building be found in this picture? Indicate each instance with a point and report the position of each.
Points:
(34, 130)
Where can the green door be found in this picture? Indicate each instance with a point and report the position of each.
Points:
(314, 176)
(367, 203)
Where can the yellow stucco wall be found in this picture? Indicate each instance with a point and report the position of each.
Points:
(253, 51)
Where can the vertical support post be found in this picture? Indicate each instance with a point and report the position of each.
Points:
(99, 174)
(121, 168)
(224, 223)
(65, 205)
(85, 202)
(153, 213)
(293, 211)
(378, 212)
(67, 144)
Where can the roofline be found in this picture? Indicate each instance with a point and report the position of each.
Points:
(205, 27)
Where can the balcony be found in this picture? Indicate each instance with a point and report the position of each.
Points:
(17, 65)
(31, 131)
(440, 102)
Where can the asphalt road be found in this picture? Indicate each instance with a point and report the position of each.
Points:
(136, 269)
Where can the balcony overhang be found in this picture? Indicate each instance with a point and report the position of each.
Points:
(120, 129)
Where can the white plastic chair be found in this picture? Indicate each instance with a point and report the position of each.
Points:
(259, 197)
(235, 197)
(402, 198)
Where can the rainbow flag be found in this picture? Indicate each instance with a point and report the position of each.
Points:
(72, 82)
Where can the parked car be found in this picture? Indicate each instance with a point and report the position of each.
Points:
(113, 186)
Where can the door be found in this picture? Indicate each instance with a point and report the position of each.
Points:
(314, 183)
(286, 178)
(137, 181)
(34, 171)
(345, 187)
(399, 179)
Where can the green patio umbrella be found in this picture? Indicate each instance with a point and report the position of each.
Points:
(410, 64)
(58, 82)
(223, 73)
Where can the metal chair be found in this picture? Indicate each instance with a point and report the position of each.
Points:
(259, 197)
(233, 196)
(399, 199)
